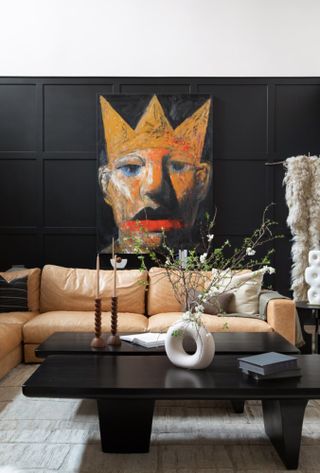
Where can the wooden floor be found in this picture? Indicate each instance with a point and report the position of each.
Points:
(59, 435)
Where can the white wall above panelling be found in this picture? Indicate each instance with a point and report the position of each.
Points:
(159, 38)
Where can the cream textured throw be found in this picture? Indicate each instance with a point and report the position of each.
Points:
(302, 180)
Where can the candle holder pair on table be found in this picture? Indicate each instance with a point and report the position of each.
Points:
(113, 339)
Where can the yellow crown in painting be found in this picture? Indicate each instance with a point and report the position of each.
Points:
(154, 131)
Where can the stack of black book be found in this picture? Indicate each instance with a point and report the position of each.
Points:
(270, 366)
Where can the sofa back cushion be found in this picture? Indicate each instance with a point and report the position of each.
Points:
(75, 289)
(161, 297)
(33, 284)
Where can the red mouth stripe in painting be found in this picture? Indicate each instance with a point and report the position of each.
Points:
(151, 225)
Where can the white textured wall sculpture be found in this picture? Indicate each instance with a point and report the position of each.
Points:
(313, 277)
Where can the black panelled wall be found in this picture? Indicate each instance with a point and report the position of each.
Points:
(48, 158)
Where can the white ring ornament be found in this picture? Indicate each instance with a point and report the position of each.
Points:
(205, 346)
(312, 277)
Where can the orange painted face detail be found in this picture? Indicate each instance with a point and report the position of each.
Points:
(155, 184)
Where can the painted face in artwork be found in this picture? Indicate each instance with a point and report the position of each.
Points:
(154, 179)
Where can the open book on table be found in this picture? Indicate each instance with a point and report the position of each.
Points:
(147, 340)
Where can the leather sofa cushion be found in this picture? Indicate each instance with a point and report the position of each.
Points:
(161, 296)
(33, 284)
(44, 325)
(75, 289)
(18, 318)
(10, 338)
(161, 322)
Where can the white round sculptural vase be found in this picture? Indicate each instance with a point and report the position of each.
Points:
(205, 346)
(312, 277)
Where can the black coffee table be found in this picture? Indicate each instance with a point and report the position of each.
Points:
(126, 389)
(78, 343)
(249, 343)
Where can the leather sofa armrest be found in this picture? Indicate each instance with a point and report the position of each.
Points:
(281, 316)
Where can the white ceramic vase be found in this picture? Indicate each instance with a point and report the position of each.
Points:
(205, 346)
(312, 277)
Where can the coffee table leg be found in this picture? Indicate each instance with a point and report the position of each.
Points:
(238, 405)
(125, 425)
(283, 421)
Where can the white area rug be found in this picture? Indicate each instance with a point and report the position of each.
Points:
(60, 435)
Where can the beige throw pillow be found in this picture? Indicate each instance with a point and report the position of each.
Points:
(246, 288)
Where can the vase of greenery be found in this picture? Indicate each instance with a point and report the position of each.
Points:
(204, 275)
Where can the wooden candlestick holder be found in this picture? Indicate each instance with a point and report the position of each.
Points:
(114, 338)
(97, 341)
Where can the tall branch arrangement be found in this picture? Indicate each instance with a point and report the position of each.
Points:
(208, 268)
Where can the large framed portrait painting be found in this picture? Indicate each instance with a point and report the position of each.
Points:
(154, 169)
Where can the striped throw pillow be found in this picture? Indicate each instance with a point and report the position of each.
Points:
(14, 295)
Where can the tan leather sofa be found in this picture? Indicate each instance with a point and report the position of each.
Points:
(146, 302)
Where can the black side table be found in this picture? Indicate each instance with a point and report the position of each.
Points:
(309, 314)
